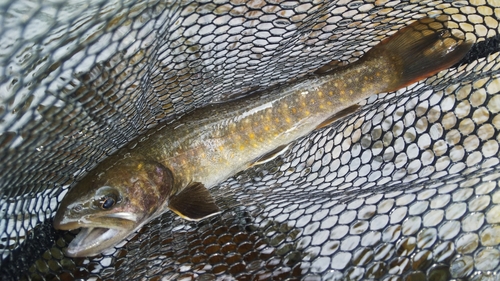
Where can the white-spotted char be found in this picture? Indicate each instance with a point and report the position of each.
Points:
(173, 168)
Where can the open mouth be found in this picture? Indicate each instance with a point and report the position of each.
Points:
(98, 233)
(93, 240)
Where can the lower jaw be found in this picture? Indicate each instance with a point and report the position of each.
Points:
(93, 241)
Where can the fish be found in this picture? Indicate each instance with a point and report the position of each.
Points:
(174, 167)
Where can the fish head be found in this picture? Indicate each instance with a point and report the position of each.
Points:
(110, 205)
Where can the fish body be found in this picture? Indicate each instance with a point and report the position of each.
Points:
(174, 166)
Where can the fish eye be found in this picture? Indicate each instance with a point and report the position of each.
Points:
(78, 208)
(108, 203)
(106, 198)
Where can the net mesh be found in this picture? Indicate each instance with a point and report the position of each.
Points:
(406, 188)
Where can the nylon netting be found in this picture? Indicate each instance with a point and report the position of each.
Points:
(406, 188)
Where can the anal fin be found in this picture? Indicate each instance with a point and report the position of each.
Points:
(193, 203)
(344, 112)
(273, 154)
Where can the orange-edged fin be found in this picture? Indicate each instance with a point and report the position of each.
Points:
(193, 203)
(344, 112)
(329, 67)
(418, 51)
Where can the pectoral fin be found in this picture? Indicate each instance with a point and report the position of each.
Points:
(193, 203)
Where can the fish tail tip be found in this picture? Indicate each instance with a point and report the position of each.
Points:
(422, 49)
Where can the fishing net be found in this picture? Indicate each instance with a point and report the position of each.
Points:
(406, 188)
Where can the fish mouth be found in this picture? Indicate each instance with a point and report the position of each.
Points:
(98, 234)
(90, 241)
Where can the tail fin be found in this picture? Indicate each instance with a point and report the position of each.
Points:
(419, 50)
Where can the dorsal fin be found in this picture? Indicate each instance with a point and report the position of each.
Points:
(329, 67)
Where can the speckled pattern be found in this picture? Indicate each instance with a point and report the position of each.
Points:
(406, 188)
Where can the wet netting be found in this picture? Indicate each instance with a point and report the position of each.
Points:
(405, 188)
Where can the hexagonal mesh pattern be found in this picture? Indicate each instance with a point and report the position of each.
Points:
(406, 188)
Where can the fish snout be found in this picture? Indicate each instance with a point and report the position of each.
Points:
(62, 219)
(57, 220)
